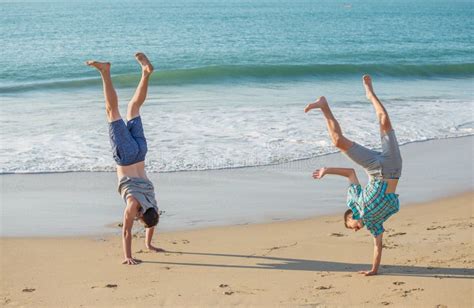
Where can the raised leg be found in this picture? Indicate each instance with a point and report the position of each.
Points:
(111, 102)
(335, 132)
(382, 114)
(139, 97)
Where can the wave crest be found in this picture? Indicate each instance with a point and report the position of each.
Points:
(232, 73)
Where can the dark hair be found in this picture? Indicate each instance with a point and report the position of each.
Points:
(347, 214)
(151, 218)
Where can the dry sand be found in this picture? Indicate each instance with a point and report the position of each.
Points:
(428, 260)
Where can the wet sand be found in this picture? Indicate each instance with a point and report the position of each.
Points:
(428, 261)
(75, 204)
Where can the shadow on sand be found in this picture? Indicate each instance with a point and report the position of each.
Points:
(275, 263)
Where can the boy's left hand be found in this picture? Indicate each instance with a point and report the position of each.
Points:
(319, 173)
(368, 273)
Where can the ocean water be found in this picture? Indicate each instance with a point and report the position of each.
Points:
(232, 78)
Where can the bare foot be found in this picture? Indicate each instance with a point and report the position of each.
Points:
(144, 62)
(319, 103)
(100, 66)
(367, 82)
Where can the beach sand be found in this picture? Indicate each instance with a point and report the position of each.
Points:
(428, 261)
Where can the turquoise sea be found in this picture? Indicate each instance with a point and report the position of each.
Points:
(232, 77)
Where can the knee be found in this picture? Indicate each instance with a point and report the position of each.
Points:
(112, 114)
(133, 111)
(383, 118)
(384, 121)
(342, 143)
(338, 141)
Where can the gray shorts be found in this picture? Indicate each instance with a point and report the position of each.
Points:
(386, 164)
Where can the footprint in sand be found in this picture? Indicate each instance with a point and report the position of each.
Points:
(324, 287)
(397, 234)
(385, 303)
(408, 292)
(185, 241)
(29, 290)
(398, 283)
(337, 234)
(435, 227)
(111, 286)
(228, 292)
(324, 274)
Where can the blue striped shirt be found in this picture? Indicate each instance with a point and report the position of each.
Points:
(372, 205)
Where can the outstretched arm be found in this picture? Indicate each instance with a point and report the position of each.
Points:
(349, 173)
(377, 256)
(128, 216)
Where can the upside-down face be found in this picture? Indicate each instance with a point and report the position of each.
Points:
(353, 224)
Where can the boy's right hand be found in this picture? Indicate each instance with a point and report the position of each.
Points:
(319, 173)
(131, 261)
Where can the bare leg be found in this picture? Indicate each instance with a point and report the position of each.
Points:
(335, 132)
(111, 102)
(382, 114)
(139, 97)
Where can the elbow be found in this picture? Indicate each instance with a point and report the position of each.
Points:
(352, 176)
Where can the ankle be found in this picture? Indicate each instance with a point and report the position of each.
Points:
(370, 94)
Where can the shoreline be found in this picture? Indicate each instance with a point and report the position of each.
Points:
(237, 167)
(138, 232)
(273, 130)
(303, 262)
(86, 203)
